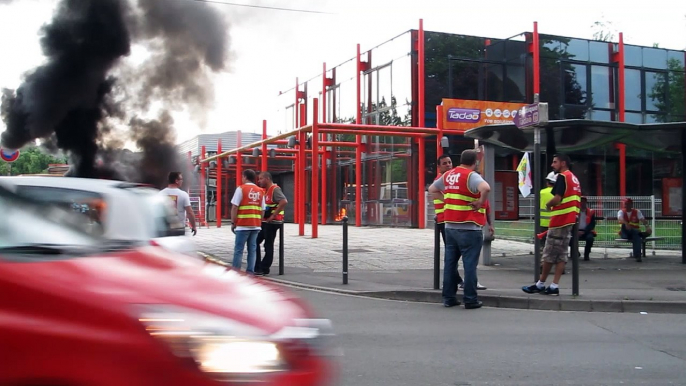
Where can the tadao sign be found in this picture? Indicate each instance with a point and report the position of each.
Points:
(531, 115)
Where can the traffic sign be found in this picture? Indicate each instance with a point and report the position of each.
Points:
(531, 115)
(8, 155)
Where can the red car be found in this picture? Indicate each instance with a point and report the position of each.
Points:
(80, 311)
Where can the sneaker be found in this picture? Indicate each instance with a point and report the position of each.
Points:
(532, 289)
(480, 287)
(551, 291)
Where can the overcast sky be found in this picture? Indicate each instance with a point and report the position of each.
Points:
(271, 48)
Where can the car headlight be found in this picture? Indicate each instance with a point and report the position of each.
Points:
(228, 350)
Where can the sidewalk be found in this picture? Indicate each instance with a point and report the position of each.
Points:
(397, 263)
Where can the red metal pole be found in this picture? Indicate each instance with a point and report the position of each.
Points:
(537, 60)
(303, 185)
(324, 183)
(239, 160)
(203, 197)
(622, 117)
(315, 168)
(420, 46)
(219, 185)
(324, 156)
(264, 163)
(358, 151)
(439, 137)
(421, 198)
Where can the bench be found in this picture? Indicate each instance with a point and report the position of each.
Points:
(644, 241)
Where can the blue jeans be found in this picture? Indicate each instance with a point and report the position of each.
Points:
(466, 244)
(241, 238)
(635, 236)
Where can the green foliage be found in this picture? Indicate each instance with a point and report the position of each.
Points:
(669, 93)
(31, 161)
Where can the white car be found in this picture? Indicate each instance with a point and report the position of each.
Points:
(116, 210)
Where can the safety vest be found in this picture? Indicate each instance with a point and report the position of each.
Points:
(269, 201)
(438, 206)
(632, 218)
(589, 216)
(546, 195)
(250, 208)
(566, 212)
(457, 198)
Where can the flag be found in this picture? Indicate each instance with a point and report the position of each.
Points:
(525, 180)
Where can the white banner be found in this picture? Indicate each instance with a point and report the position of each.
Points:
(525, 180)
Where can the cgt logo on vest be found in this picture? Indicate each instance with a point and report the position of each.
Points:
(464, 115)
(452, 179)
(253, 195)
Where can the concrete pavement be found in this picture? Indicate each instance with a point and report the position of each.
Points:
(397, 263)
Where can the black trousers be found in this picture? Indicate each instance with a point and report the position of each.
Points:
(268, 235)
(441, 227)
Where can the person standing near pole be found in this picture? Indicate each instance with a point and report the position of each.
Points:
(246, 219)
(465, 195)
(564, 209)
(179, 199)
(275, 202)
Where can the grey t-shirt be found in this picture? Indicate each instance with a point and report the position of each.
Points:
(277, 195)
(474, 181)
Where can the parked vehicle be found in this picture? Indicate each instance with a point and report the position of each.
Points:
(82, 310)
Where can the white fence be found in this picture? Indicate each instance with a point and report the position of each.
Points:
(607, 226)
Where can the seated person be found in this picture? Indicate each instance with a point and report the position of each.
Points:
(631, 219)
(587, 231)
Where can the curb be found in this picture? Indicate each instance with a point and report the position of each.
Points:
(514, 302)
(498, 301)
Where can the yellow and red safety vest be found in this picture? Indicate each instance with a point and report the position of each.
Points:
(457, 198)
(269, 201)
(566, 212)
(250, 208)
(632, 218)
(438, 206)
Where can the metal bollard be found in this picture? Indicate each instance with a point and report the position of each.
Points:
(437, 255)
(575, 259)
(281, 249)
(345, 250)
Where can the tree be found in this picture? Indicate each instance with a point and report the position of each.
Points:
(31, 161)
(604, 31)
(668, 93)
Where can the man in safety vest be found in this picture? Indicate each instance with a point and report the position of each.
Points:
(546, 195)
(587, 231)
(246, 217)
(564, 209)
(275, 201)
(464, 194)
(631, 219)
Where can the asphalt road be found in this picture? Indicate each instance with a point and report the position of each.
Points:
(395, 343)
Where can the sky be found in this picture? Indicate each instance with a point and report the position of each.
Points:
(270, 48)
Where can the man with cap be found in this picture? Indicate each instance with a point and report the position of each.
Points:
(587, 231)
(631, 219)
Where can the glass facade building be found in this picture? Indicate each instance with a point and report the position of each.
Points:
(579, 79)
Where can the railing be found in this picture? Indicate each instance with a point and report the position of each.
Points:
(607, 226)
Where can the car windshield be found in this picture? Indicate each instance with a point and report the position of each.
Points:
(29, 223)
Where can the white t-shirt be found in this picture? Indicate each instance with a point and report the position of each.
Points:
(180, 200)
(236, 200)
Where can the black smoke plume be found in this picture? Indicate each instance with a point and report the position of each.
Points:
(88, 101)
